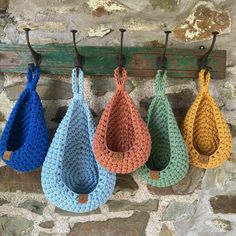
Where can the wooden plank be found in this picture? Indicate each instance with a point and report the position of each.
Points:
(141, 62)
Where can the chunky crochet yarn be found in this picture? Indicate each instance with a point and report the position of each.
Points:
(24, 141)
(204, 129)
(168, 162)
(122, 142)
(71, 177)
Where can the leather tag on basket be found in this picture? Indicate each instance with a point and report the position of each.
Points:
(118, 155)
(203, 158)
(154, 174)
(83, 198)
(7, 155)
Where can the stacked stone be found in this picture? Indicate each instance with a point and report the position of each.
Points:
(136, 207)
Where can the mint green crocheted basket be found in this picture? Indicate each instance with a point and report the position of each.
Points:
(168, 162)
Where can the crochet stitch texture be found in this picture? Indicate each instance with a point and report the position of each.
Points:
(24, 141)
(168, 162)
(71, 177)
(122, 142)
(204, 129)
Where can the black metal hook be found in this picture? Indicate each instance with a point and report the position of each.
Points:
(162, 60)
(203, 61)
(121, 57)
(79, 59)
(35, 55)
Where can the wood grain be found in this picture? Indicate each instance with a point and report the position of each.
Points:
(140, 62)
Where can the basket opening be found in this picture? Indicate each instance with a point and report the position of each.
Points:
(205, 133)
(79, 168)
(20, 125)
(159, 130)
(120, 130)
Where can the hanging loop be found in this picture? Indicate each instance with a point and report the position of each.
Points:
(79, 59)
(37, 58)
(32, 76)
(121, 57)
(203, 61)
(204, 80)
(160, 82)
(120, 82)
(78, 83)
(162, 60)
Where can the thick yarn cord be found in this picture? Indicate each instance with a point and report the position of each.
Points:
(168, 162)
(71, 177)
(122, 142)
(205, 131)
(24, 142)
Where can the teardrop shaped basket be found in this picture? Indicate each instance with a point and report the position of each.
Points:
(122, 142)
(205, 131)
(168, 162)
(71, 177)
(24, 141)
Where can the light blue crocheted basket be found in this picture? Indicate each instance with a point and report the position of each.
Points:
(71, 177)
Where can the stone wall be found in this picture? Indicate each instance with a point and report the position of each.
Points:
(204, 202)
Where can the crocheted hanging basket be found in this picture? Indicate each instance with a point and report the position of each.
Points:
(24, 141)
(122, 142)
(71, 177)
(168, 162)
(205, 131)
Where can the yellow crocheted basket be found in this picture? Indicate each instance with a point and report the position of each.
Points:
(205, 131)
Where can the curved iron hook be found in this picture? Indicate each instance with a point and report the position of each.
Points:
(162, 60)
(203, 61)
(79, 59)
(35, 55)
(121, 57)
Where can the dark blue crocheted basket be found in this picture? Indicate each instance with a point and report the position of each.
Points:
(24, 141)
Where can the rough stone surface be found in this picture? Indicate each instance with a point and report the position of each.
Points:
(12, 181)
(168, 5)
(33, 206)
(61, 111)
(3, 201)
(59, 26)
(144, 105)
(223, 204)
(101, 86)
(180, 103)
(124, 205)
(179, 211)
(204, 19)
(125, 183)
(2, 118)
(1, 78)
(100, 31)
(67, 213)
(165, 231)
(47, 224)
(15, 226)
(44, 234)
(3, 5)
(133, 225)
(186, 186)
(222, 225)
(60, 89)
(98, 23)
(232, 129)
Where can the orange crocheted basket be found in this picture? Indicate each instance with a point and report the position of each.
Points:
(122, 142)
(205, 131)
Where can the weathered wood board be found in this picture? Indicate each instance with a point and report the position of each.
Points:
(141, 62)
